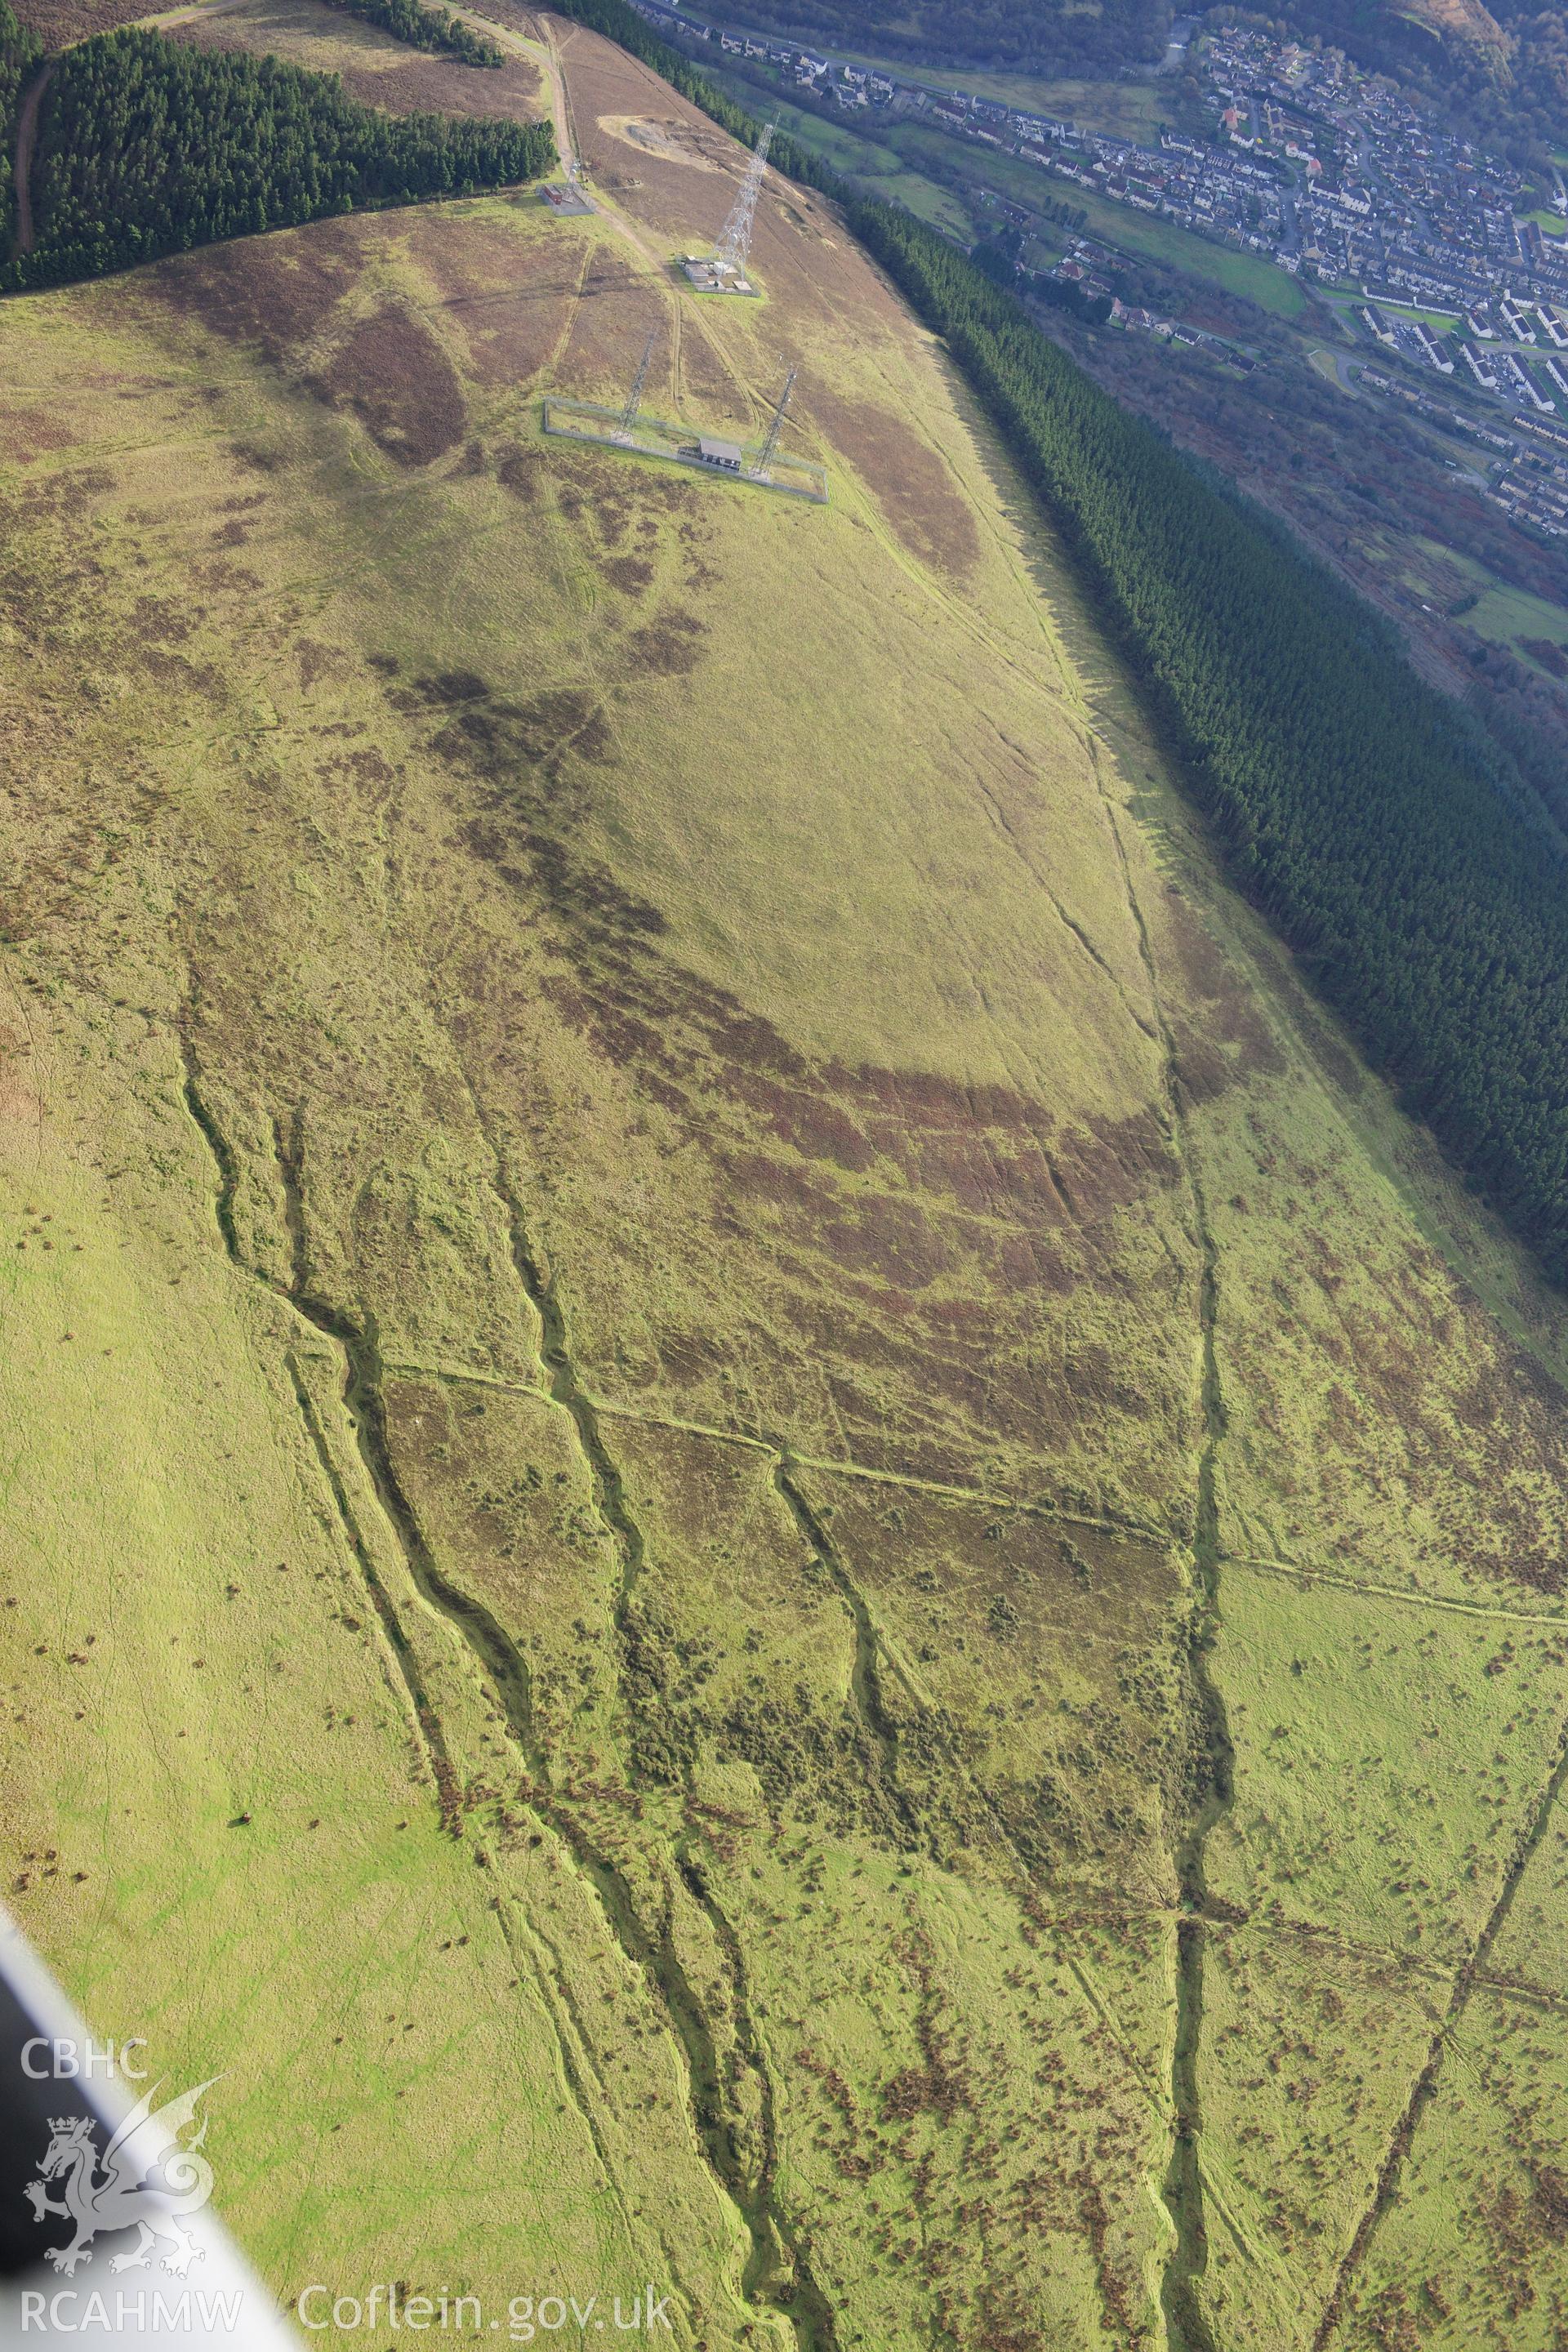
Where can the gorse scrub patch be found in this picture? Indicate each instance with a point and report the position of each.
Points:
(435, 29)
(146, 147)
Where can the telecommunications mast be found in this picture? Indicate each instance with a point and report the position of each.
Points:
(736, 236)
(723, 270)
(760, 470)
(630, 414)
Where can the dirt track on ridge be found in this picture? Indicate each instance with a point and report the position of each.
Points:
(27, 132)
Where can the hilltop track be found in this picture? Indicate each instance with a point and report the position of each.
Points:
(22, 162)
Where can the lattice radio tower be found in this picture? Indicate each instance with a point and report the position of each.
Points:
(736, 236)
(760, 470)
(633, 401)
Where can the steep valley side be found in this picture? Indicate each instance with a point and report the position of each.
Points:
(763, 1532)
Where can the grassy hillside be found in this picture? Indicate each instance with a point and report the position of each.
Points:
(776, 1540)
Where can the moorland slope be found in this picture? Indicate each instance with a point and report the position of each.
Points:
(762, 1531)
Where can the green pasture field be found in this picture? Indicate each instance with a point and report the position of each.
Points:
(1441, 321)
(1509, 615)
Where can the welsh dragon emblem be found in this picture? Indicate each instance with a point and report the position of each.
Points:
(149, 2179)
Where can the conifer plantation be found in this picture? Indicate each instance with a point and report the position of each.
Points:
(19, 52)
(147, 147)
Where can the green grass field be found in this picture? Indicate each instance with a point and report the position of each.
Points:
(1234, 273)
(1511, 616)
(777, 1539)
(1511, 613)
(1443, 321)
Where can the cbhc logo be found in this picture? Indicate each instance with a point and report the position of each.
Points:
(67, 2060)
